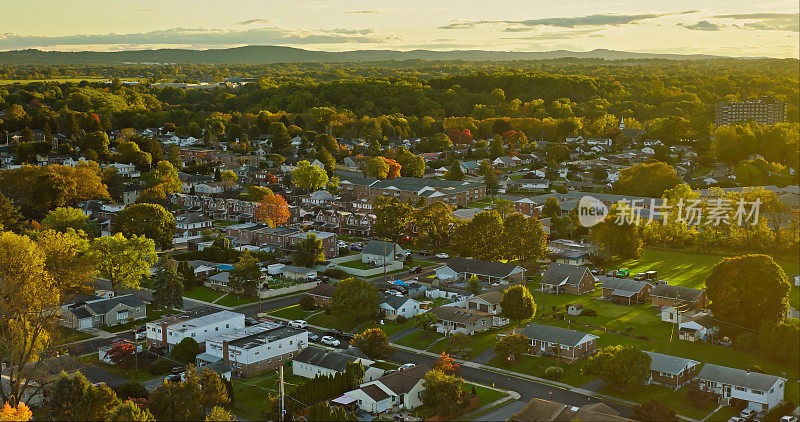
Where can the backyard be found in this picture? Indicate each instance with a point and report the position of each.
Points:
(419, 339)
(203, 293)
(251, 393)
(292, 312)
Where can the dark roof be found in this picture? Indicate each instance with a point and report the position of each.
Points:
(374, 392)
(328, 359)
(622, 284)
(464, 316)
(540, 410)
(379, 247)
(323, 289)
(486, 268)
(395, 302)
(104, 306)
(669, 364)
(677, 292)
(556, 273)
(552, 334)
(402, 382)
(734, 376)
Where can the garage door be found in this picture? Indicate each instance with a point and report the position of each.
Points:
(84, 323)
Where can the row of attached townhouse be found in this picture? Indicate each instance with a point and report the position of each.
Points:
(347, 222)
(217, 208)
(280, 238)
(413, 189)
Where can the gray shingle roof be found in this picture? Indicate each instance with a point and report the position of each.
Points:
(395, 302)
(552, 334)
(669, 364)
(104, 306)
(622, 284)
(327, 359)
(677, 292)
(380, 248)
(733, 376)
(476, 266)
(556, 273)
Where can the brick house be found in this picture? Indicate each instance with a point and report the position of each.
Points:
(667, 295)
(671, 371)
(625, 291)
(322, 294)
(566, 278)
(546, 339)
(460, 320)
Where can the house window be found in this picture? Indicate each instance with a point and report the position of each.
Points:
(759, 392)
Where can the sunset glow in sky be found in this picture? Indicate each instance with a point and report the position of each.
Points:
(731, 27)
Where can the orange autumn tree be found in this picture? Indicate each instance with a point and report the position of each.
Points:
(21, 413)
(273, 210)
(447, 365)
(394, 168)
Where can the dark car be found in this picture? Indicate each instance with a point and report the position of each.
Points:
(347, 336)
(313, 337)
(250, 321)
(598, 271)
(611, 273)
(333, 332)
(424, 252)
(173, 378)
(416, 270)
(355, 247)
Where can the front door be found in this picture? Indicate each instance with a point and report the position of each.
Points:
(726, 391)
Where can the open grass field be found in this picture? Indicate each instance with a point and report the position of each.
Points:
(356, 263)
(332, 321)
(66, 335)
(292, 312)
(202, 293)
(251, 393)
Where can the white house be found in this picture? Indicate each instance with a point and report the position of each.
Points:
(535, 184)
(125, 170)
(488, 302)
(376, 252)
(169, 331)
(253, 350)
(315, 361)
(648, 150)
(401, 389)
(395, 306)
(759, 391)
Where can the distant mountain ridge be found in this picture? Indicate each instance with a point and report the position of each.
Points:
(268, 54)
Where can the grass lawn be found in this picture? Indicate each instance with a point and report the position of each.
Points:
(479, 342)
(724, 414)
(356, 263)
(485, 395)
(674, 399)
(152, 315)
(251, 393)
(68, 335)
(234, 300)
(202, 293)
(388, 327)
(536, 365)
(143, 373)
(419, 339)
(292, 312)
(332, 321)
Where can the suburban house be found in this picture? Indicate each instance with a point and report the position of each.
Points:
(541, 410)
(671, 371)
(566, 278)
(667, 295)
(625, 290)
(218, 281)
(192, 224)
(488, 302)
(322, 294)
(395, 306)
(401, 389)
(253, 350)
(701, 327)
(504, 161)
(565, 251)
(546, 339)
(535, 184)
(491, 272)
(459, 320)
(314, 361)
(202, 325)
(755, 390)
(104, 312)
(378, 252)
(298, 273)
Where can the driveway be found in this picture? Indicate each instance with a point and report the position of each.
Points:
(402, 333)
(504, 413)
(485, 357)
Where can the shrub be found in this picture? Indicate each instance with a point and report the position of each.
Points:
(335, 273)
(131, 390)
(400, 319)
(307, 303)
(553, 372)
(589, 312)
(161, 366)
(186, 351)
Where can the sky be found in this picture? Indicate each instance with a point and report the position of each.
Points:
(723, 27)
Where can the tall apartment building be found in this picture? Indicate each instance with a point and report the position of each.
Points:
(764, 111)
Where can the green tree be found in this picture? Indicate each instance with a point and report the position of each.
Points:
(96, 402)
(455, 172)
(377, 167)
(245, 275)
(174, 156)
(474, 285)
(167, 285)
(373, 342)
(220, 414)
(123, 261)
(517, 303)
(63, 218)
(165, 175)
(97, 142)
(280, 136)
(424, 320)
(623, 239)
(128, 411)
(148, 220)
(551, 207)
(66, 392)
(392, 219)
(309, 177)
(654, 410)
(734, 300)
(10, 217)
(511, 346)
(480, 237)
(324, 412)
(524, 238)
(433, 223)
(648, 180)
(621, 367)
(213, 391)
(354, 300)
(185, 351)
(412, 165)
(492, 185)
(443, 394)
(177, 401)
(309, 252)
(256, 193)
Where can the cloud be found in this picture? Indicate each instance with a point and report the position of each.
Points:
(365, 12)
(573, 22)
(190, 36)
(560, 35)
(767, 21)
(702, 26)
(252, 21)
(348, 31)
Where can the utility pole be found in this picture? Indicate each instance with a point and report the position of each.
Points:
(283, 412)
(135, 352)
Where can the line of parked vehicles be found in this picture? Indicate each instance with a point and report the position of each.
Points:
(331, 337)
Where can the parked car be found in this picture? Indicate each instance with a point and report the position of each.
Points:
(788, 419)
(735, 419)
(330, 341)
(598, 271)
(355, 247)
(347, 336)
(313, 337)
(250, 321)
(298, 323)
(415, 279)
(141, 333)
(405, 366)
(341, 244)
(622, 273)
(760, 416)
(333, 332)
(424, 252)
(172, 378)
(416, 270)
(442, 255)
(747, 414)
(611, 273)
